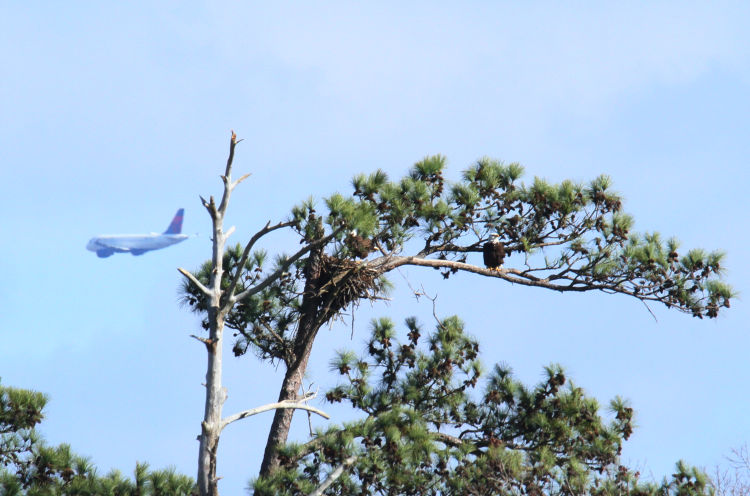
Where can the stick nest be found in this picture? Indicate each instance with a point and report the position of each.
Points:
(343, 281)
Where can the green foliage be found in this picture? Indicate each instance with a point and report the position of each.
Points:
(270, 312)
(57, 471)
(585, 237)
(20, 408)
(20, 412)
(422, 432)
(28, 467)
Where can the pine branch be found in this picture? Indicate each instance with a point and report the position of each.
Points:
(614, 283)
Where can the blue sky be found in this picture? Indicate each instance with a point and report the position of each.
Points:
(112, 116)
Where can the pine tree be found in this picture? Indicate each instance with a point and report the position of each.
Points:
(28, 467)
(20, 412)
(563, 237)
(421, 431)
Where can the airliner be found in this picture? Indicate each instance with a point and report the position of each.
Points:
(138, 244)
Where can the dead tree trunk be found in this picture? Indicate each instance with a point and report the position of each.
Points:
(216, 394)
(211, 424)
(220, 302)
(219, 306)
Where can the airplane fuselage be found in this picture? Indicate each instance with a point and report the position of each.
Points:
(138, 244)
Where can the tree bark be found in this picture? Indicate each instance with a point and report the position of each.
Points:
(215, 397)
(282, 419)
(216, 394)
(308, 328)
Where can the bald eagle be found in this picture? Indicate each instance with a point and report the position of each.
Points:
(358, 246)
(494, 253)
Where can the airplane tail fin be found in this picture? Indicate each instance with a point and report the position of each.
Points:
(175, 227)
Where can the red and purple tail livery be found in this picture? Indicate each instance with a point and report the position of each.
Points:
(175, 227)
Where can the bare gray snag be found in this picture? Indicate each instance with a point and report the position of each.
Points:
(220, 303)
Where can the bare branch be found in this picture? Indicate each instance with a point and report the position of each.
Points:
(210, 344)
(275, 275)
(333, 476)
(195, 281)
(449, 440)
(209, 205)
(511, 275)
(298, 404)
(246, 253)
(226, 178)
(205, 341)
(649, 311)
(238, 181)
(514, 276)
(275, 335)
(232, 143)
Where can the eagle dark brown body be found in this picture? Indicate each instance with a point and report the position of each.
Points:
(360, 247)
(494, 253)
